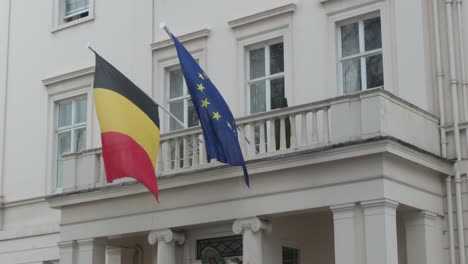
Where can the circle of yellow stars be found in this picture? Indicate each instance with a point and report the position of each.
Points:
(204, 103)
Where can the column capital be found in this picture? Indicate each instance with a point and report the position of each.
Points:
(66, 244)
(343, 211)
(167, 236)
(91, 241)
(379, 203)
(252, 223)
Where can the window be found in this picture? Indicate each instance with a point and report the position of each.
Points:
(75, 9)
(180, 104)
(230, 246)
(290, 255)
(70, 130)
(360, 54)
(266, 77)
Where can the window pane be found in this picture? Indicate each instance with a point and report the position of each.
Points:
(257, 63)
(290, 255)
(276, 58)
(349, 39)
(192, 115)
(257, 97)
(374, 71)
(177, 109)
(277, 93)
(80, 110)
(72, 6)
(351, 75)
(230, 246)
(176, 84)
(65, 114)
(372, 34)
(64, 143)
(80, 139)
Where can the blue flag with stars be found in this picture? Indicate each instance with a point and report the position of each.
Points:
(217, 122)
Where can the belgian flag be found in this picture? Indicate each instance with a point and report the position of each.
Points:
(129, 122)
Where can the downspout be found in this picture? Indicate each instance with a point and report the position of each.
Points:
(4, 117)
(462, 57)
(453, 88)
(440, 79)
(450, 220)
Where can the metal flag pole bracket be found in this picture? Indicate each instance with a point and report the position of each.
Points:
(88, 45)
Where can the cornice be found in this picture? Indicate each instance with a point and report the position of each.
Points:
(307, 157)
(67, 76)
(285, 9)
(196, 35)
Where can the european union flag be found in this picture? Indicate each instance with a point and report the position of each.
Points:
(219, 127)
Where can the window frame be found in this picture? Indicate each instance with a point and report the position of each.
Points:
(362, 55)
(60, 87)
(268, 76)
(337, 13)
(74, 13)
(58, 21)
(72, 128)
(185, 97)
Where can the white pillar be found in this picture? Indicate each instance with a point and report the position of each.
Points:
(67, 251)
(349, 234)
(380, 230)
(251, 230)
(421, 247)
(166, 240)
(120, 255)
(91, 251)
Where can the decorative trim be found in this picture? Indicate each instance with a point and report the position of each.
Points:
(306, 157)
(68, 76)
(253, 224)
(343, 211)
(167, 236)
(30, 231)
(66, 244)
(72, 23)
(25, 201)
(379, 203)
(200, 34)
(286, 9)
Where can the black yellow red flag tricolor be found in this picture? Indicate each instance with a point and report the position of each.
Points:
(129, 122)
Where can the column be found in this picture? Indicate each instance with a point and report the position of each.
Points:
(349, 234)
(67, 251)
(380, 230)
(421, 247)
(91, 251)
(251, 230)
(166, 240)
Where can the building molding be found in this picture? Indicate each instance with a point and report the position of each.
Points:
(67, 76)
(243, 21)
(254, 224)
(167, 236)
(192, 36)
(264, 165)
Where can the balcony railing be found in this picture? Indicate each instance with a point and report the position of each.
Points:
(341, 119)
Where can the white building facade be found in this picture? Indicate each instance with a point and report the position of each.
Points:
(352, 116)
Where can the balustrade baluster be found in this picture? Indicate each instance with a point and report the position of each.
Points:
(315, 138)
(282, 134)
(252, 147)
(304, 128)
(185, 154)
(195, 149)
(326, 130)
(202, 150)
(262, 137)
(292, 120)
(272, 139)
(177, 154)
(242, 138)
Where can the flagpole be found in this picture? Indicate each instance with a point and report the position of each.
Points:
(88, 45)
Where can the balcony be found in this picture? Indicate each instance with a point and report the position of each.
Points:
(317, 126)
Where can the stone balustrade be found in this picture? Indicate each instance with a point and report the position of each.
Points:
(335, 121)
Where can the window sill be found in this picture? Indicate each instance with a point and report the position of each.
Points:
(72, 23)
